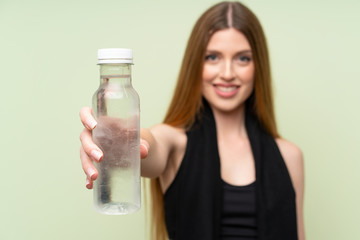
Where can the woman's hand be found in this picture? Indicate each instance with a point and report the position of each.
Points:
(90, 152)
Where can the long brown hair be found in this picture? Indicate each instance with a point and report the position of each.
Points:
(187, 99)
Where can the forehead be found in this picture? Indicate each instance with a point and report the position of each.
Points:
(228, 39)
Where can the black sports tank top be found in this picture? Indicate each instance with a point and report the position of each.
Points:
(238, 219)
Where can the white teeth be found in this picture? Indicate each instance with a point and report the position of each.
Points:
(226, 89)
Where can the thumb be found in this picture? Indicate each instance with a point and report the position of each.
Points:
(144, 148)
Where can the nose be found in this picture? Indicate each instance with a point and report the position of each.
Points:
(227, 72)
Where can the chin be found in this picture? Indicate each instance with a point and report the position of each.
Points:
(227, 106)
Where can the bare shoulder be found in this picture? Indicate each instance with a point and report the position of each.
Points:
(294, 161)
(163, 127)
(167, 131)
(169, 135)
(291, 153)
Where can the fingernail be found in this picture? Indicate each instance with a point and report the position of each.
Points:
(144, 145)
(96, 154)
(87, 183)
(91, 172)
(91, 123)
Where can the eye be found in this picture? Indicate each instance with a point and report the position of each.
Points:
(243, 59)
(211, 57)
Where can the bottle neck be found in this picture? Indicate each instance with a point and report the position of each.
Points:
(115, 74)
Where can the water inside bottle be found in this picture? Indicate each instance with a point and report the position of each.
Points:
(117, 189)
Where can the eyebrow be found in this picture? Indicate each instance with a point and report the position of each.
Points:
(240, 52)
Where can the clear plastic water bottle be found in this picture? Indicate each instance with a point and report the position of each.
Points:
(116, 110)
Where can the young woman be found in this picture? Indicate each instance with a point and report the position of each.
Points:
(218, 168)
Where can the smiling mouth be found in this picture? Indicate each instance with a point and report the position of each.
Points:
(227, 89)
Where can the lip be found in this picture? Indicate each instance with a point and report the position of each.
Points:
(226, 90)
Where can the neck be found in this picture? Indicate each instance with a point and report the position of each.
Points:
(230, 124)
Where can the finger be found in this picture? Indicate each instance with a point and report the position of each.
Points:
(87, 165)
(87, 118)
(90, 148)
(89, 183)
(144, 148)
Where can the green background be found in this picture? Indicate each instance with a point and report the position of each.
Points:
(48, 72)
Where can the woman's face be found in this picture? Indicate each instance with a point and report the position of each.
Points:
(228, 73)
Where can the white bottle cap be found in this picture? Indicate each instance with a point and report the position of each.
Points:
(115, 55)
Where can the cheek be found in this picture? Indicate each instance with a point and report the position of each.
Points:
(246, 74)
(249, 80)
(209, 72)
